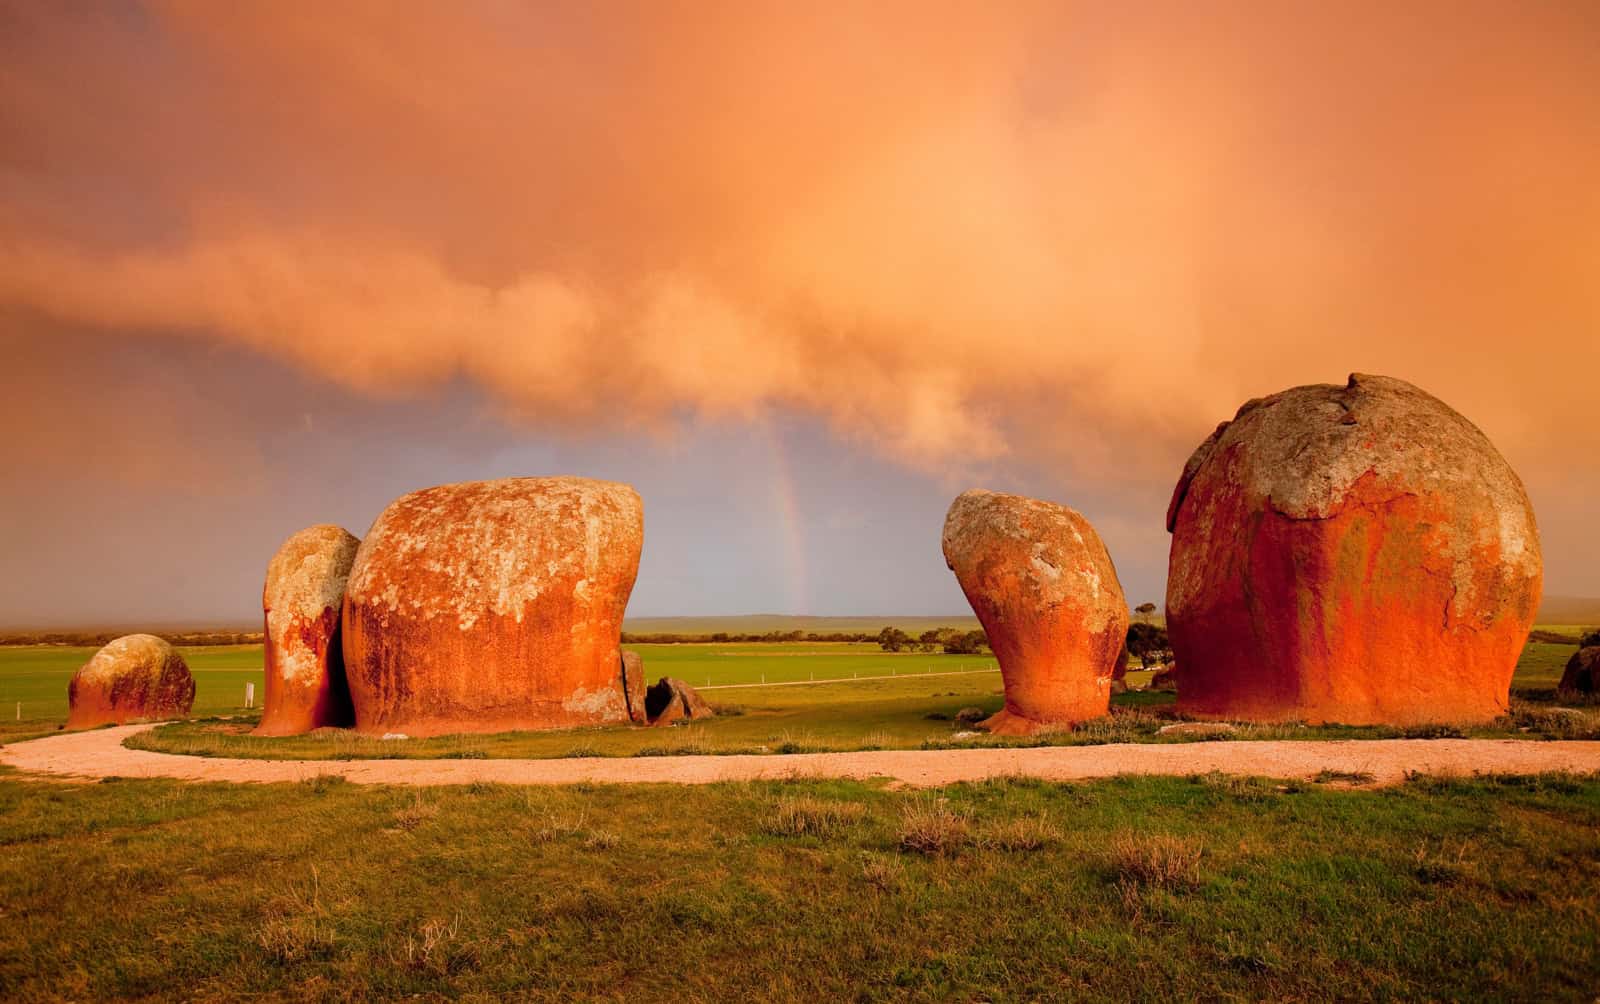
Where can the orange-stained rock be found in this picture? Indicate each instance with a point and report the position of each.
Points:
(1582, 675)
(1045, 590)
(1357, 554)
(493, 605)
(302, 600)
(633, 687)
(671, 700)
(137, 677)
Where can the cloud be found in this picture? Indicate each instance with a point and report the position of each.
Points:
(1052, 236)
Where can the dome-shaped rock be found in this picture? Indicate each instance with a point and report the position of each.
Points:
(1357, 554)
(1047, 594)
(137, 677)
(302, 599)
(493, 605)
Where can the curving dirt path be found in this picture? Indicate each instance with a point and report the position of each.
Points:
(100, 753)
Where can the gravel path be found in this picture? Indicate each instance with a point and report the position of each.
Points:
(100, 753)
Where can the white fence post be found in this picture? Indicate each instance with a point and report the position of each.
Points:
(249, 695)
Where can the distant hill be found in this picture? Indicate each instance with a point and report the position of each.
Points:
(764, 623)
(1583, 610)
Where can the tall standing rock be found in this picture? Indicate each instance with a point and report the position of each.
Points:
(493, 605)
(302, 600)
(1047, 594)
(1357, 554)
(137, 677)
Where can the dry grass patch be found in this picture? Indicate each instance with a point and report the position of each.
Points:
(555, 826)
(1029, 833)
(804, 816)
(930, 826)
(1157, 861)
(884, 874)
(411, 816)
(296, 925)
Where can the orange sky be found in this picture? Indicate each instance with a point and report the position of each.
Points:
(1058, 239)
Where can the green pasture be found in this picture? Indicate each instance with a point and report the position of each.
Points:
(764, 623)
(886, 701)
(1151, 889)
(37, 675)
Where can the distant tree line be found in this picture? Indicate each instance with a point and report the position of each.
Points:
(637, 638)
(950, 641)
(97, 638)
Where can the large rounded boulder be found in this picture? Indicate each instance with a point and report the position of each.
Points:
(1358, 554)
(493, 605)
(1046, 592)
(302, 600)
(137, 677)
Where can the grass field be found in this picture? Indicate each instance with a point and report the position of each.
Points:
(37, 676)
(763, 623)
(906, 710)
(1148, 889)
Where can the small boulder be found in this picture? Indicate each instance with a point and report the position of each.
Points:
(671, 700)
(971, 716)
(302, 599)
(1583, 672)
(1043, 586)
(137, 677)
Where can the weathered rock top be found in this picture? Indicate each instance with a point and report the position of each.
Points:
(307, 575)
(1056, 550)
(140, 651)
(1301, 452)
(498, 544)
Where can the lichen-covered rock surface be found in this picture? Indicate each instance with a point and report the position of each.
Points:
(302, 601)
(1046, 592)
(1358, 554)
(493, 605)
(137, 677)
